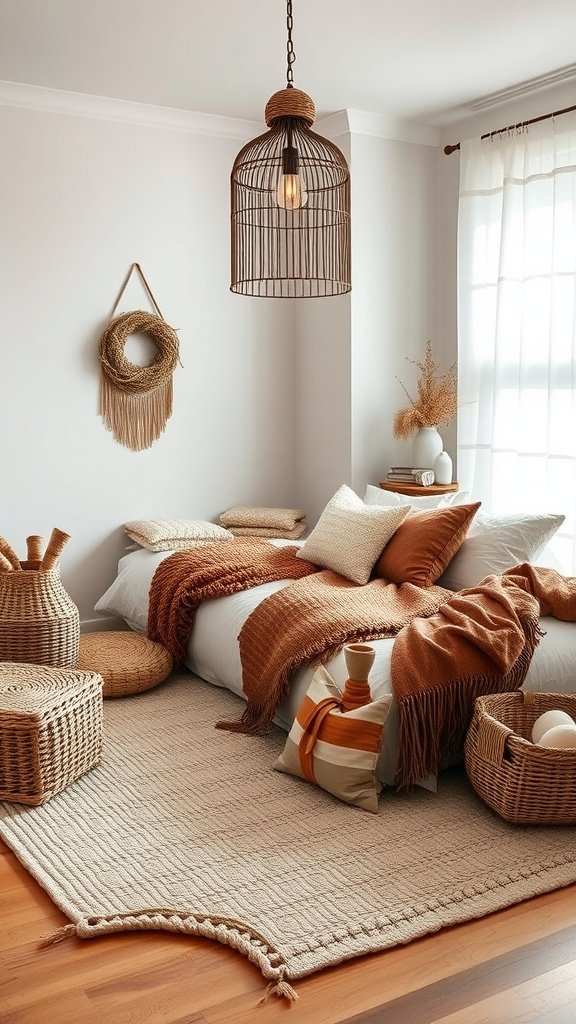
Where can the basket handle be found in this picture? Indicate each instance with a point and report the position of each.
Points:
(491, 740)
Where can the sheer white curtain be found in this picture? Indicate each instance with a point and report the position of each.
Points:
(517, 324)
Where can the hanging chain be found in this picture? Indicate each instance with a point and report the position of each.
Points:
(289, 47)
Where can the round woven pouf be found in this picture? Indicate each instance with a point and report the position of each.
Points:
(128, 662)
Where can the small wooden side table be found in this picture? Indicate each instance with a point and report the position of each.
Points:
(417, 490)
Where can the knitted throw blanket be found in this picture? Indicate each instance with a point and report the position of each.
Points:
(310, 621)
(481, 641)
(188, 577)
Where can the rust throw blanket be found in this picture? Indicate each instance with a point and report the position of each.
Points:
(188, 577)
(310, 621)
(481, 641)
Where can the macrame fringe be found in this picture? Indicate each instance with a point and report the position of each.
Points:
(135, 420)
(66, 932)
(279, 988)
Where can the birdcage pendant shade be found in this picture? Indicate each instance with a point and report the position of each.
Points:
(290, 210)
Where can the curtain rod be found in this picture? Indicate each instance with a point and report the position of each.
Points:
(520, 124)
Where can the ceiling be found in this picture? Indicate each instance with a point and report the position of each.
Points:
(421, 60)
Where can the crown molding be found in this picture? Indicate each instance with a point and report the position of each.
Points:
(360, 122)
(384, 127)
(104, 108)
(525, 88)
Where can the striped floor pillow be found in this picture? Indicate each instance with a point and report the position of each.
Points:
(337, 750)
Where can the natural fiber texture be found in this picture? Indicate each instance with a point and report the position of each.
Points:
(186, 578)
(136, 401)
(174, 534)
(290, 103)
(269, 531)
(262, 518)
(50, 729)
(185, 830)
(523, 782)
(480, 642)
(310, 621)
(39, 622)
(349, 535)
(128, 662)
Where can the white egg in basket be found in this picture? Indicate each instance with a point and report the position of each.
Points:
(547, 721)
(562, 737)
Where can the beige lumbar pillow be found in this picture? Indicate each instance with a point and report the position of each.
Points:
(174, 534)
(350, 536)
(257, 517)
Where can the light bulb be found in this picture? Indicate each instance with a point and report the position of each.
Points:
(290, 195)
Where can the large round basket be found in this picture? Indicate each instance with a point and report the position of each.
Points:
(524, 783)
(128, 662)
(39, 622)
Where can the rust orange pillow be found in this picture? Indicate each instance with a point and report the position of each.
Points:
(424, 544)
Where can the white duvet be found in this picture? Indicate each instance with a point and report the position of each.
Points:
(213, 651)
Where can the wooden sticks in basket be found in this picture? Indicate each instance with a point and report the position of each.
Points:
(35, 560)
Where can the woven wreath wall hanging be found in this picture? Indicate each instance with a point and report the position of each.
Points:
(136, 401)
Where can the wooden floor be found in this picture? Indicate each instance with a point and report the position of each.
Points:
(513, 967)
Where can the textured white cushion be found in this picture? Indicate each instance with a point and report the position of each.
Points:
(174, 534)
(391, 499)
(349, 535)
(496, 543)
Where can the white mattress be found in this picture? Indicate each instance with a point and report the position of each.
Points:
(213, 651)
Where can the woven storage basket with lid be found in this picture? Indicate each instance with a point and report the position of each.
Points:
(524, 783)
(39, 622)
(50, 729)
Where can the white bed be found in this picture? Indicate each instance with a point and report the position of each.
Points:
(213, 651)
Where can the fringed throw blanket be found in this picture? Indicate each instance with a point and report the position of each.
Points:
(188, 577)
(449, 648)
(310, 621)
(481, 641)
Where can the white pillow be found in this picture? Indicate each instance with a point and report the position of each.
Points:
(391, 499)
(174, 534)
(496, 543)
(349, 535)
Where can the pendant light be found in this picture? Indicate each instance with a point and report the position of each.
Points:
(290, 194)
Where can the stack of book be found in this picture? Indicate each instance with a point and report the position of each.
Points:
(407, 475)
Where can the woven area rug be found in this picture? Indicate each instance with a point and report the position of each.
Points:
(189, 829)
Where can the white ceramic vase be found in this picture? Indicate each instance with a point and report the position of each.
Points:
(442, 469)
(427, 445)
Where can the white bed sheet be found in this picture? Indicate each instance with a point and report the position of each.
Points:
(213, 651)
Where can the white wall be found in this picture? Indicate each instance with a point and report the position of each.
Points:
(83, 197)
(351, 349)
(393, 298)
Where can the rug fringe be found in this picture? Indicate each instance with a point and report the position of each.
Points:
(279, 988)
(59, 935)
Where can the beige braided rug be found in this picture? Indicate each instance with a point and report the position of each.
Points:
(189, 829)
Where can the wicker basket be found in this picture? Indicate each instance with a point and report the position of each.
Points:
(523, 782)
(50, 730)
(39, 622)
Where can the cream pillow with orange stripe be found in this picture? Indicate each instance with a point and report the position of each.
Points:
(338, 750)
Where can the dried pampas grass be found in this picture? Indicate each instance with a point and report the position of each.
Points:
(436, 403)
